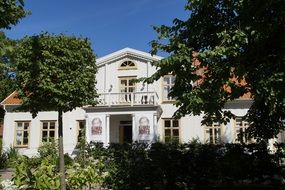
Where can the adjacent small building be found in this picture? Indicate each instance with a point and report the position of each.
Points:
(126, 112)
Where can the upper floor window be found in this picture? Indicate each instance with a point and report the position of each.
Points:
(213, 133)
(171, 130)
(127, 86)
(240, 127)
(168, 83)
(48, 131)
(127, 65)
(22, 133)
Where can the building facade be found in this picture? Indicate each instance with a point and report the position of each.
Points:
(126, 112)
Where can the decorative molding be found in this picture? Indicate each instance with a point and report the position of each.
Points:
(127, 52)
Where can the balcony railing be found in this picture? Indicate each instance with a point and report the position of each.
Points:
(128, 98)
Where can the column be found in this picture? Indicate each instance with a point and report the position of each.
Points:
(87, 128)
(134, 128)
(107, 134)
(155, 130)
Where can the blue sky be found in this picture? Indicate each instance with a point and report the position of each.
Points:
(109, 24)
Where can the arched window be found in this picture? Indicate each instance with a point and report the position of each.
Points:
(127, 65)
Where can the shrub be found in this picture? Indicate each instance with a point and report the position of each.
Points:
(3, 160)
(159, 166)
(8, 158)
(48, 149)
(42, 176)
(191, 166)
(12, 156)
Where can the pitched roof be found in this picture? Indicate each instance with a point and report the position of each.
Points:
(12, 99)
(127, 52)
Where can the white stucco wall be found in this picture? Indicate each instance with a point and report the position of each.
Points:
(70, 130)
(109, 74)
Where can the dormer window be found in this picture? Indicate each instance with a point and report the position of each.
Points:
(128, 65)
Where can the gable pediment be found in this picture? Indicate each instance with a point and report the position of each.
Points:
(127, 54)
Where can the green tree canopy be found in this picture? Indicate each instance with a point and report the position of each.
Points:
(7, 84)
(240, 39)
(11, 11)
(55, 72)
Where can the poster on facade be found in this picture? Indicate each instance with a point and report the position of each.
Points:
(96, 127)
(144, 127)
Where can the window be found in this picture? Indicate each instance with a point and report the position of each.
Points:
(22, 133)
(240, 127)
(127, 65)
(48, 131)
(81, 130)
(168, 83)
(127, 86)
(213, 133)
(171, 130)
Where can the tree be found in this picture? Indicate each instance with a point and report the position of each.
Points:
(6, 68)
(55, 72)
(11, 12)
(240, 47)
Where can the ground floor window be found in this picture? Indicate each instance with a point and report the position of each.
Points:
(171, 130)
(48, 131)
(213, 133)
(81, 130)
(22, 133)
(240, 126)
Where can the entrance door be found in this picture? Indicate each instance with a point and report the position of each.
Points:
(125, 134)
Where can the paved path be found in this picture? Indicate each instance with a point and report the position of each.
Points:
(6, 174)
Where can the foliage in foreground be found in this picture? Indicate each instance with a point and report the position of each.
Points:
(42, 172)
(159, 166)
(241, 49)
(193, 166)
(8, 158)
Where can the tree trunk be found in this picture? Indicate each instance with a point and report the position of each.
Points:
(60, 149)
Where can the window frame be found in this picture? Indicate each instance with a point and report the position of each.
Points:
(128, 78)
(221, 126)
(127, 67)
(23, 130)
(55, 130)
(171, 128)
(167, 99)
(243, 127)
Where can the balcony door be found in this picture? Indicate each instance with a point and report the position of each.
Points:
(127, 86)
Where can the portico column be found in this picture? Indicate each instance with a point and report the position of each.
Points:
(155, 130)
(134, 128)
(87, 128)
(107, 135)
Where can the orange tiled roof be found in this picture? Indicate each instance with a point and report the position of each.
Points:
(12, 99)
(200, 72)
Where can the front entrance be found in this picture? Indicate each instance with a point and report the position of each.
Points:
(125, 132)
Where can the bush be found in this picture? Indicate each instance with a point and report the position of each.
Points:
(3, 160)
(42, 172)
(191, 166)
(8, 158)
(159, 166)
(48, 149)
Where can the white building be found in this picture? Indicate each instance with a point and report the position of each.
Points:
(126, 112)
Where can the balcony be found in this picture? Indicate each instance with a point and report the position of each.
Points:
(128, 99)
